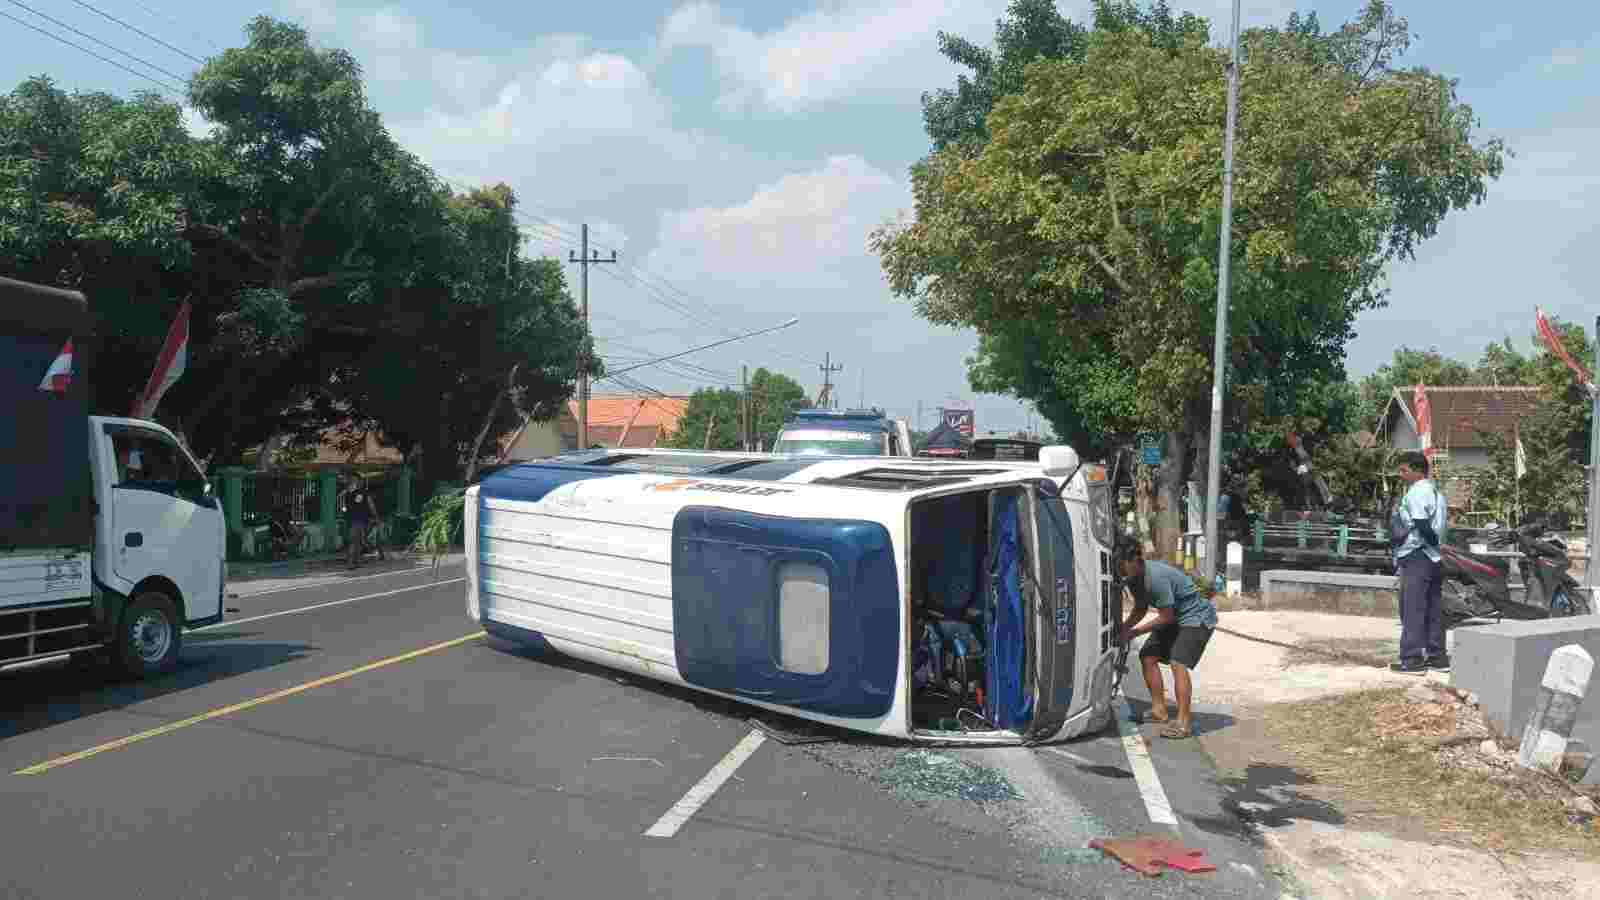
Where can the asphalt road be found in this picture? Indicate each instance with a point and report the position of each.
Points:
(355, 739)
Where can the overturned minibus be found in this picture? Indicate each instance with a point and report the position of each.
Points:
(922, 599)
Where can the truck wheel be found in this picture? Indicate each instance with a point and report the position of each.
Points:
(148, 638)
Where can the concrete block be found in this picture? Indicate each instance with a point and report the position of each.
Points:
(1503, 664)
(1332, 592)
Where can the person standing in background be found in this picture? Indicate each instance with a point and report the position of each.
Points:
(1416, 529)
(362, 516)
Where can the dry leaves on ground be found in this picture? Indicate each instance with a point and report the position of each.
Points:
(1425, 761)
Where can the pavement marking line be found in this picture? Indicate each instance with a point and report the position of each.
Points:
(1144, 768)
(668, 825)
(229, 623)
(41, 768)
(424, 567)
(1081, 760)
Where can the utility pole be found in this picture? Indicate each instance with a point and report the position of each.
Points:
(585, 260)
(825, 399)
(1591, 576)
(744, 427)
(1219, 355)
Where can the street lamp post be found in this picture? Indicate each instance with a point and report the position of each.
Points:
(1219, 355)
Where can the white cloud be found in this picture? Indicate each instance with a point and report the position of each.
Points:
(1564, 57)
(316, 15)
(392, 28)
(841, 50)
(806, 229)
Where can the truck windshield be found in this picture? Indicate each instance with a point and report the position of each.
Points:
(831, 443)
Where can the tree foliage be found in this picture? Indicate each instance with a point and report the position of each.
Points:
(1084, 215)
(335, 280)
(772, 397)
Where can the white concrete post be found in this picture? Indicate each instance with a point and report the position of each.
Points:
(1566, 680)
(1235, 568)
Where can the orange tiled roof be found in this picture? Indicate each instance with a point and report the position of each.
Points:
(654, 419)
(614, 409)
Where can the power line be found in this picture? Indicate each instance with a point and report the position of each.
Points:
(155, 81)
(147, 34)
(683, 303)
(84, 34)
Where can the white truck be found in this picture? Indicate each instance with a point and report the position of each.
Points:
(111, 539)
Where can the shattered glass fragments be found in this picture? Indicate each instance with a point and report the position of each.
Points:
(918, 774)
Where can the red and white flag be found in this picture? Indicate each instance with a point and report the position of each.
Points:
(59, 376)
(170, 364)
(1553, 341)
(1419, 399)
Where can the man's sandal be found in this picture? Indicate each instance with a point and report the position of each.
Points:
(1176, 732)
(1145, 718)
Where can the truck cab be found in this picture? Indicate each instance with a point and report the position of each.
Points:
(851, 432)
(112, 541)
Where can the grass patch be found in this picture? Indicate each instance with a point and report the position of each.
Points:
(1374, 652)
(1397, 757)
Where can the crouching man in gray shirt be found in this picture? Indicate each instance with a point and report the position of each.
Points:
(1179, 631)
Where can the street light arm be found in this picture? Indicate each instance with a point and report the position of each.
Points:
(663, 359)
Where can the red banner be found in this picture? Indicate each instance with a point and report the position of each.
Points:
(1419, 400)
(1553, 341)
(172, 362)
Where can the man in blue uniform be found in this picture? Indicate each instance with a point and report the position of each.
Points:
(1179, 631)
(1417, 528)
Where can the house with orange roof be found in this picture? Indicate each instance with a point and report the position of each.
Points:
(615, 421)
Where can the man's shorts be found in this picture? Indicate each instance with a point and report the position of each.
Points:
(1181, 644)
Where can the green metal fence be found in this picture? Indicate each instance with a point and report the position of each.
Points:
(309, 504)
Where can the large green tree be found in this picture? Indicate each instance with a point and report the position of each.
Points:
(334, 279)
(1087, 217)
(444, 344)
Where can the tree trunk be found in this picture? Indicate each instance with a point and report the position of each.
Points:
(269, 450)
(1167, 523)
(1144, 494)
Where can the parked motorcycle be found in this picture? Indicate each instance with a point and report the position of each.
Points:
(1478, 586)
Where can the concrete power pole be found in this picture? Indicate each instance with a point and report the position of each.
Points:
(585, 259)
(1219, 353)
(744, 425)
(825, 399)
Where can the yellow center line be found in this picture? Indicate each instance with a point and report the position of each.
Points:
(41, 768)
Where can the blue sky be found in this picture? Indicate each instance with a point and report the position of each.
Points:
(737, 157)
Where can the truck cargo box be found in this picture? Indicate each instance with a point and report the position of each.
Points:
(46, 489)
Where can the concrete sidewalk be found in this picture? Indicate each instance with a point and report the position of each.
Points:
(251, 579)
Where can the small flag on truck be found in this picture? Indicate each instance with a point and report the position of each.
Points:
(59, 375)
